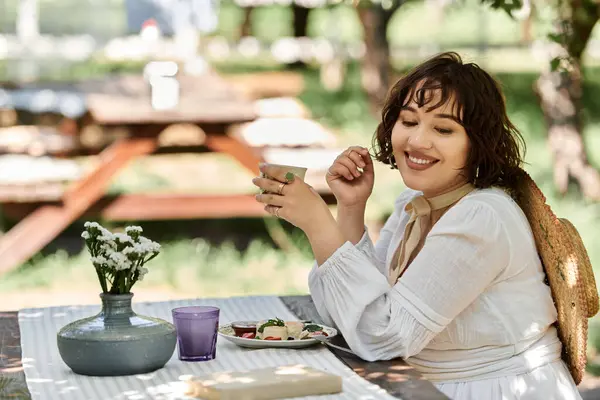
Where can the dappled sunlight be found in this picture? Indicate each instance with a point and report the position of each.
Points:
(400, 367)
(396, 377)
(571, 267)
(390, 372)
(37, 314)
(373, 375)
(533, 328)
(11, 370)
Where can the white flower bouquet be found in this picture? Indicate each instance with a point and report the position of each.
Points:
(119, 258)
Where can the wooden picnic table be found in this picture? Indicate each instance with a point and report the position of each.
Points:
(395, 376)
(207, 102)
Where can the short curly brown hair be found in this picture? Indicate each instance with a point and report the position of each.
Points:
(497, 147)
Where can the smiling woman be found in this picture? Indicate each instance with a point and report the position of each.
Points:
(454, 285)
(452, 115)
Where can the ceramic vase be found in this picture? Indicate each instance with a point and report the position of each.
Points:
(116, 341)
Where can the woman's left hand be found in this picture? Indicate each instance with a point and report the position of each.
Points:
(290, 198)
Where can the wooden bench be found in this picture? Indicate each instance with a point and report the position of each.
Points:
(123, 103)
(35, 140)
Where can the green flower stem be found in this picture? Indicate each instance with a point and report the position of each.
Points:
(132, 282)
(102, 280)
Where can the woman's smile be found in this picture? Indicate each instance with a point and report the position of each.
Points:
(418, 161)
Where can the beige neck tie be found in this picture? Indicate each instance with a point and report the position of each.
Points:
(419, 225)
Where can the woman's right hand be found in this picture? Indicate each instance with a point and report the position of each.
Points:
(351, 187)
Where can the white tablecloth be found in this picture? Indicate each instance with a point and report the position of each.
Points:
(48, 377)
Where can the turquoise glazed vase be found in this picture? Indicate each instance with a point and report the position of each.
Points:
(117, 341)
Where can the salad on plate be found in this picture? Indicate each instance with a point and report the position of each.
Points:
(288, 333)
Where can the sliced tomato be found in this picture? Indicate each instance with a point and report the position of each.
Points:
(249, 335)
(272, 338)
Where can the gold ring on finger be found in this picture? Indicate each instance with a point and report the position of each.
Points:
(277, 212)
(280, 189)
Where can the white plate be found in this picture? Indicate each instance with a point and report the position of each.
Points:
(228, 333)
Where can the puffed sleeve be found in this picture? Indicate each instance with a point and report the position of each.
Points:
(376, 254)
(462, 255)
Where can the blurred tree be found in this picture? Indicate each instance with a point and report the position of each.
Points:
(376, 65)
(527, 15)
(559, 89)
(299, 19)
(375, 16)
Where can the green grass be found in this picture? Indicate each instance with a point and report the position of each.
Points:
(185, 264)
(11, 389)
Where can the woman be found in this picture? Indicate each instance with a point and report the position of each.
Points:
(454, 285)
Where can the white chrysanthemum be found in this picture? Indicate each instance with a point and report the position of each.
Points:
(118, 261)
(148, 245)
(106, 237)
(108, 246)
(99, 260)
(85, 235)
(134, 229)
(122, 237)
(96, 226)
(142, 272)
(131, 250)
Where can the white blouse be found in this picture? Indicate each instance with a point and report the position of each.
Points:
(471, 313)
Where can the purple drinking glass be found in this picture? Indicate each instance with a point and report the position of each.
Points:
(197, 330)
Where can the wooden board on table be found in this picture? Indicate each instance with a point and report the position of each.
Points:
(106, 109)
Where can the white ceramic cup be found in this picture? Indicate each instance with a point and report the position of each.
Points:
(298, 171)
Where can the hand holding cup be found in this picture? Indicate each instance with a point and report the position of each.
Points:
(287, 196)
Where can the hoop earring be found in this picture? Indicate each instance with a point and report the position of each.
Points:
(476, 174)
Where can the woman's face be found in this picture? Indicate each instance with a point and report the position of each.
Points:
(430, 147)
